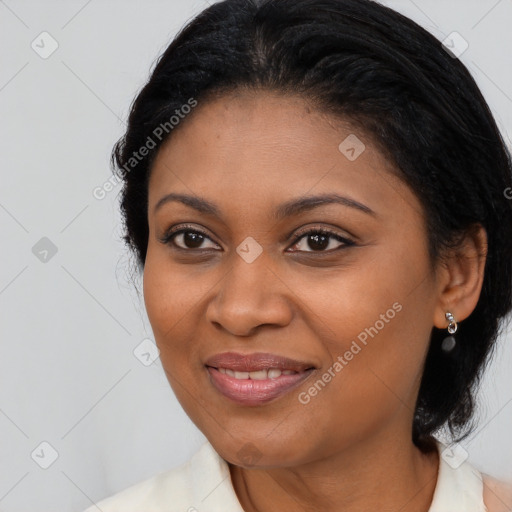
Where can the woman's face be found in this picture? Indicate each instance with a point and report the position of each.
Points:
(352, 309)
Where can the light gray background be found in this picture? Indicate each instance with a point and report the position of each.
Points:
(69, 326)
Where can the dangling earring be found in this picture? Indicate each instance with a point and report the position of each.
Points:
(449, 342)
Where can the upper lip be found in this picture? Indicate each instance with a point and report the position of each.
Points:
(255, 362)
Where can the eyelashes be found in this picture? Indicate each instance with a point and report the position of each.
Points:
(317, 236)
(171, 235)
(324, 234)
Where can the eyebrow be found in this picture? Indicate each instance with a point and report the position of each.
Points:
(292, 207)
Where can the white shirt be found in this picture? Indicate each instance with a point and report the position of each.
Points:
(203, 484)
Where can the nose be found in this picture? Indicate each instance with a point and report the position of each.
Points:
(250, 295)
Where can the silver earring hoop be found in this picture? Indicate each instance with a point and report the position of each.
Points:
(449, 342)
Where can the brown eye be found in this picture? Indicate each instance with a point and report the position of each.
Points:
(186, 239)
(321, 239)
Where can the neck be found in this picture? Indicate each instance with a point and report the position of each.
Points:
(382, 474)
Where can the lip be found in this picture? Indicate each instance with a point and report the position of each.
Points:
(251, 392)
(256, 361)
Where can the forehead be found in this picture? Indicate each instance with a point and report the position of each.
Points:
(255, 149)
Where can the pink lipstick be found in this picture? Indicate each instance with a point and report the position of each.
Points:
(255, 379)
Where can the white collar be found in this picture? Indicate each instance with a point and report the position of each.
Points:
(459, 486)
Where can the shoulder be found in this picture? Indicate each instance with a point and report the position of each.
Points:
(497, 494)
(167, 487)
(172, 488)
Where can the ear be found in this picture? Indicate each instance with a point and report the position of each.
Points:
(460, 276)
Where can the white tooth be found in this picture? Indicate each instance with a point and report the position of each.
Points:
(241, 375)
(258, 375)
(273, 373)
(229, 372)
(222, 370)
(288, 372)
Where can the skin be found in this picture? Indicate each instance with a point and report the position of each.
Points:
(350, 447)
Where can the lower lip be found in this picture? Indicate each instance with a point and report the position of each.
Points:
(255, 392)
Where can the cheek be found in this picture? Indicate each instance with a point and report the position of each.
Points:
(172, 293)
(374, 323)
(370, 381)
(171, 302)
(172, 297)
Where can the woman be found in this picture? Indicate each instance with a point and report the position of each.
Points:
(316, 193)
